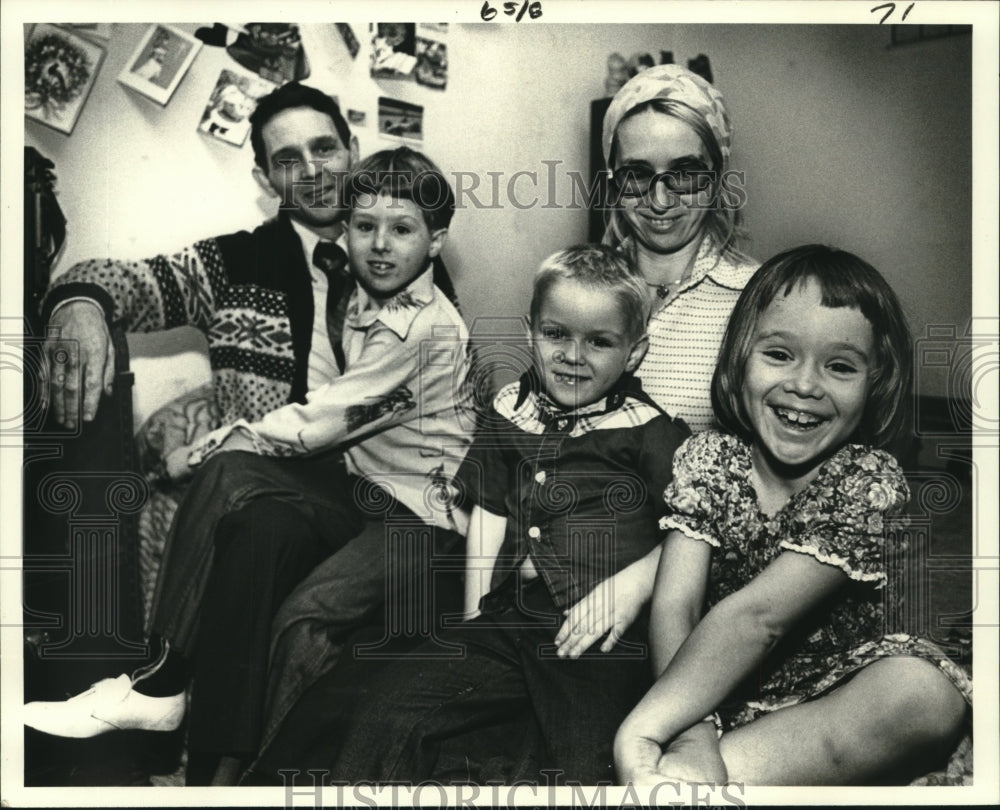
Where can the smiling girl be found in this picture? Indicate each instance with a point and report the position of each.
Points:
(781, 522)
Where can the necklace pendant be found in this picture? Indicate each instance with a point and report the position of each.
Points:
(662, 290)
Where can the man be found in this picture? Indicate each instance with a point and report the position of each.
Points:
(263, 298)
(255, 294)
(258, 296)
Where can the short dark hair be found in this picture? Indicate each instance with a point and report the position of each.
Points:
(845, 281)
(406, 174)
(287, 97)
(598, 267)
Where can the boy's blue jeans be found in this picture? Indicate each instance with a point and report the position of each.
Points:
(317, 514)
(415, 707)
(391, 561)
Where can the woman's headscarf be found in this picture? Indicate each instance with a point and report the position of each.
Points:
(673, 83)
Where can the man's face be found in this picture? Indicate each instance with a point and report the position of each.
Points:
(306, 164)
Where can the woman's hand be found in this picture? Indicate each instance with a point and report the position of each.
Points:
(609, 609)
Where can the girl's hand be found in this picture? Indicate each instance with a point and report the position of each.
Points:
(694, 757)
(610, 609)
(636, 759)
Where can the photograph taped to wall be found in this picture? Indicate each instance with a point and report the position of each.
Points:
(432, 30)
(59, 71)
(350, 40)
(400, 119)
(160, 61)
(271, 50)
(99, 31)
(393, 50)
(432, 63)
(233, 100)
(839, 134)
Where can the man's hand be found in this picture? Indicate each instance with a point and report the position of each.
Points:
(80, 359)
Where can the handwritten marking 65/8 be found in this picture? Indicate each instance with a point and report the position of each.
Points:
(534, 10)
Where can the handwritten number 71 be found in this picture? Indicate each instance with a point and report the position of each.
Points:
(891, 8)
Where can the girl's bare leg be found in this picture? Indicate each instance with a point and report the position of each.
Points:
(896, 718)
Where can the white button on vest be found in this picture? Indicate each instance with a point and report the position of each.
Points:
(534, 532)
(540, 476)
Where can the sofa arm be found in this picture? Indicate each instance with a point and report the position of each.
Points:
(176, 424)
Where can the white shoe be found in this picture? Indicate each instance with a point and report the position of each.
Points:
(109, 705)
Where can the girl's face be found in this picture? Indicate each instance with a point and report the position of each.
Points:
(807, 377)
(652, 143)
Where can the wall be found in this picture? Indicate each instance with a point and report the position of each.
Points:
(842, 139)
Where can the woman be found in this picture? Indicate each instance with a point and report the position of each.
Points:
(675, 211)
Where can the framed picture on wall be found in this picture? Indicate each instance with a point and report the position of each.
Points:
(59, 71)
(159, 62)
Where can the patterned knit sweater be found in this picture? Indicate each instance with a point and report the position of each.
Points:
(249, 292)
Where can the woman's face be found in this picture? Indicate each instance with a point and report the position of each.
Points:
(651, 142)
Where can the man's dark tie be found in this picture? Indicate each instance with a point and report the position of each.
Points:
(332, 260)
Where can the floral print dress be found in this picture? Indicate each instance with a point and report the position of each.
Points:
(840, 519)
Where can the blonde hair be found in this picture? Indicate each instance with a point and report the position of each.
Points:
(598, 267)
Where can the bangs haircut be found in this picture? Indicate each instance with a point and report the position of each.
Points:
(724, 217)
(404, 174)
(598, 267)
(844, 281)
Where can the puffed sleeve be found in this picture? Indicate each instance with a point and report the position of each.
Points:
(692, 497)
(841, 521)
(483, 475)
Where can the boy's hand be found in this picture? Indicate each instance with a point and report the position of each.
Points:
(176, 463)
(610, 609)
(237, 440)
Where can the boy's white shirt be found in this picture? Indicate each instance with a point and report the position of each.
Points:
(401, 403)
(378, 362)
